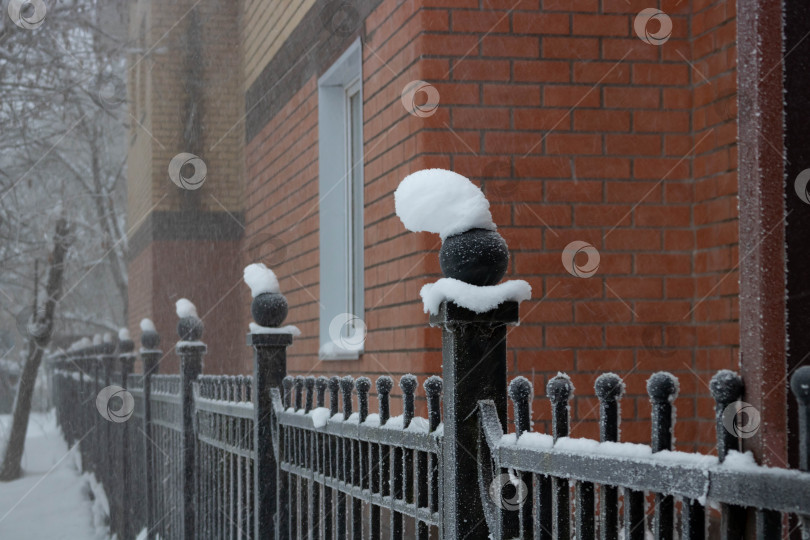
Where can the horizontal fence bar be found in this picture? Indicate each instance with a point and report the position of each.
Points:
(384, 501)
(233, 409)
(165, 397)
(229, 448)
(411, 439)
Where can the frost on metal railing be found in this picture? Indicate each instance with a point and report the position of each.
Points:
(526, 476)
(225, 456)
(318, 464)
(353, 457)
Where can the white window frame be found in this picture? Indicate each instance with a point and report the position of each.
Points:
(340, 197)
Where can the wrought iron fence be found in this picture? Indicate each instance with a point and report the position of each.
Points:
(265, 456)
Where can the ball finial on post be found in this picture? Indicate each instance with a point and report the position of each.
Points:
(190, 327)
(150, 339)
(269, 307)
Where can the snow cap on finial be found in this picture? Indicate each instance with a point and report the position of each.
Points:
(442, 202)
(260, 279)
(107, 345)
(125, 343)
(269, 307)
(149, 336)
(185, 308)
(189, 327)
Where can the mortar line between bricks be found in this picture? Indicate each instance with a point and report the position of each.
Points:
(659, 182)
(591, 89)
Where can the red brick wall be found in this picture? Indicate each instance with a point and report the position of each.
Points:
(207, 273)
(599, 128)
(715, 210)
(281, 215)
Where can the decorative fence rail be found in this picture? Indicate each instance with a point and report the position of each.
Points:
(200, 456)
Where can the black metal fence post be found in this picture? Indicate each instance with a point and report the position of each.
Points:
(191, 351)
(150, 358)
(474, 369)
(127, 361)
(269, 371)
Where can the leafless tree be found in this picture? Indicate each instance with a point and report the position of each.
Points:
(41, 328)
(62, 152)
(62, 168)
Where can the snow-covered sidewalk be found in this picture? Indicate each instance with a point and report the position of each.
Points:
(53, 499)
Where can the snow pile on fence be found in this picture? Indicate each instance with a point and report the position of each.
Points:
(473, 297)
(288, 329)
(260, 279)
(447, 203)
(185, 308)
(442, 202)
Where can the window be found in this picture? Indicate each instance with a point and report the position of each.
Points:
(340, 164)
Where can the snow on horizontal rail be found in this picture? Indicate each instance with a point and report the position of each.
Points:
(415, 436)
(738, 480)
(237, 409)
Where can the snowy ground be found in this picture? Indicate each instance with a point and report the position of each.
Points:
(52, 500)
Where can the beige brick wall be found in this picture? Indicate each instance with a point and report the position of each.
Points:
(267, 25)
(157, 106)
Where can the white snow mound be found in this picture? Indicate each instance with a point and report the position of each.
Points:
(123, 334)
(473, 297)
(147, 325)
(289, 329)
(442, 202)
(260, 279)
(185, 308)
